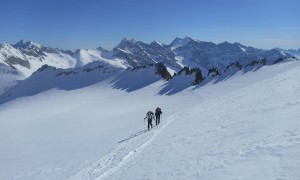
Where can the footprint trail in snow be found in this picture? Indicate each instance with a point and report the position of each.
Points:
(126, 151)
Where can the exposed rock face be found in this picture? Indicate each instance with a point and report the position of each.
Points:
(198, 76)
(213, 72)
(162, 71)
(234, 65)
(11, 60)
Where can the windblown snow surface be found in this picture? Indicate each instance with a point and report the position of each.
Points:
(241, 127)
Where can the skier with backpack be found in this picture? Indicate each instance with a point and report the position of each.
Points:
(149, 116)
(158, 112)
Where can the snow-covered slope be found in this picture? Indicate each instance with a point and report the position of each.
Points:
(251, 132)
(78, 132)
(243, 127)
(87, 56)
(25, 57)
(47, 78)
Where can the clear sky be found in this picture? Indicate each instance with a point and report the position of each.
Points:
(88, 24)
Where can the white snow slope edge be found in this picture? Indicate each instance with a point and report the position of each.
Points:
(243, 127)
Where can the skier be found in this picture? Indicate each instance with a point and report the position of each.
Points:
(158, 112)
(149, 116)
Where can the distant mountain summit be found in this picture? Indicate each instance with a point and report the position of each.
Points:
(179, 42)
(27, 45)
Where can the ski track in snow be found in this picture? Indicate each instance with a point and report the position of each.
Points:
(126, 151)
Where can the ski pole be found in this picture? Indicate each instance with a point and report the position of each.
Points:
(144, 125)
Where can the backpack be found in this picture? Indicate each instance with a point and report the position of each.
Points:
(149, 115)
(158, 111)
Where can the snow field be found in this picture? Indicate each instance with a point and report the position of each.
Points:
(242, 127)
(53, 134)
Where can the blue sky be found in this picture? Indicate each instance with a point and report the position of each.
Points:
(88, 24)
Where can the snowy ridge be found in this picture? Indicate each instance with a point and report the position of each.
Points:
(47, 78)
(27, 45)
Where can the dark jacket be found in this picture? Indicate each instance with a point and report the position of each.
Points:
(158, 112)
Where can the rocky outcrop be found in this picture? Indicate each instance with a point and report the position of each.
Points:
(213, 72)
(162, 71)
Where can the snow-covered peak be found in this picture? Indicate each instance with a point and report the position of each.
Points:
(178, 42)
(27, 45)
(126, 41)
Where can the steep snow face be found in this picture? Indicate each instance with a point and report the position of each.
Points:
(27, 57)
(87, 56)
(245, 126)
(10, 55)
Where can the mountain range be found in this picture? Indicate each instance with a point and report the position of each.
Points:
(20, 60)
